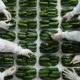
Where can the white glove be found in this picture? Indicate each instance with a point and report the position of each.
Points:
(57, 36)
(4, 25)
(7, 46)
(67, 16)
(7, 14)
(71, 75)
(10, 71)
(78, 18)
(75, 60)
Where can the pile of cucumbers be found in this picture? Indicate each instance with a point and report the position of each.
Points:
(24, 61)
(69, 2)
(6, 60)
(10, 3)
(27, 3)
(26, 73)
(27, 35)
(66, 10)
(72, 24)
(49, 47)
(47, 3)
(29, 12)
(66, 60)
(70, 47)
(45, 35)
(49, 73)
(8, 35)
(49, 23)
(48, 12)
(24, 44)
(48, 60)
(27, 24)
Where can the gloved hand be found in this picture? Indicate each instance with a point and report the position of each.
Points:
(7, 14)
(67, 17)
(76, 59)
(10, 71)
(71, 75)
(4, 25)
(57, 36)
(26, 52)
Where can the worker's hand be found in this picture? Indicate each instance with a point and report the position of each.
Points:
(71, 75)
(67, 17)
(4, 25)
(7, 14)
(27, 52)
(57, 36)
(10, 71)
(76, 59)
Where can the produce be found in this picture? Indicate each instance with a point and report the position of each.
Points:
(26, 73)
(49, 47)
(23, 60)
(49, 73)
(48, 60)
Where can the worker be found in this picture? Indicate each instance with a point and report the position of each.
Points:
(3, 24)
(7, 72)
(74, 36)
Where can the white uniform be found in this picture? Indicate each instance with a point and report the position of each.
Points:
(74, 35)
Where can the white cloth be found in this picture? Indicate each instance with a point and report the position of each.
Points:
(78, 78)
(76, 10)
(2, 75)
(2, 5)
(7, 46)
(74, 35)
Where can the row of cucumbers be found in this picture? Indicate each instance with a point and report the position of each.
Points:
(28, 35)
(49, 23)
(48, 60)
(30, 45)
(72, 24)
(49, 47)
(22, 60)
(8, 35)
(10, 3)
(45, 35)
(29, 12)
(48, 12)
(48, 3)
(6, 61)
(70, 47)
(28, 24)
(69, 2)
(27, 3)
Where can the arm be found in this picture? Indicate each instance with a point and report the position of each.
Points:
(2, 5)
(3, 9)
(2, 75)
(74, 35)
(78, 78)
(76, 10)
(7, 46)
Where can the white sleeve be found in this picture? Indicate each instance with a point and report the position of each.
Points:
(7, 46)
(78, 78)
(2, 75)
(74, 35)
(2, 5)
(76, 10)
